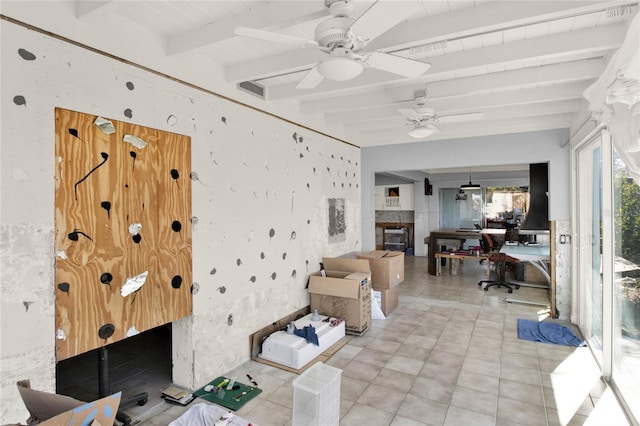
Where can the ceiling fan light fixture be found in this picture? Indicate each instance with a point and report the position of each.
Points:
(421, 131)
(340, 68)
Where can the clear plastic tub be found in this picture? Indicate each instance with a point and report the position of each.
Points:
(316, 396)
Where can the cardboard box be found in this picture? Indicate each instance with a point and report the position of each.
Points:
(387, 298)
(345, 292)
(97, 413)
(387, 267)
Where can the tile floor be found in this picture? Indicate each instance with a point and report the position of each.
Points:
(448, 355)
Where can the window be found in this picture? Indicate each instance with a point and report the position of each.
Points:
(461, 209)
(607, 280)
(626, 286)
(506, 205)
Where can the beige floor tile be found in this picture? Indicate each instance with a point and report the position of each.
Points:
(351, 389)
(457, 416)
(423, 410)
(338, 361)
(393, 336)
(345, 405)
(489, 367)
(405, 365)
(521, 412)
(479, 382)
(359, 415)
(523, 375)
(268, 413)
(520, 361)
(348, 351)
(377, 358)
(282, 396)
(442, 373)
(479, 401)
(414, 352)
(361, 371)
(361, 341)
(382, 345)
(450, 347)
(522, 392)
(382, 398)
(395, 380)
(403, 421)
(426, 342)
(400, 327)
(432, 389)
(445, 358)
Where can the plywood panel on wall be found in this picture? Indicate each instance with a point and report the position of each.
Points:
(121, 210)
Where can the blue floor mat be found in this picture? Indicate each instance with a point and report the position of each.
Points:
(548, 332)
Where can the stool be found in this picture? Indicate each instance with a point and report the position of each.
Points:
(454, 262)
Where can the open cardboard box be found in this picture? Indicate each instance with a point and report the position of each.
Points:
(387, 267)
(345, 292)
(101, 412)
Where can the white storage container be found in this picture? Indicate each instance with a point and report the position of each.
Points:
(316, 396)
(294, 351)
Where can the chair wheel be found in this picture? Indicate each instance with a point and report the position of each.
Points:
(143, 401)
(479, 283)
(517, 287)
(510, 291)
(486, 289)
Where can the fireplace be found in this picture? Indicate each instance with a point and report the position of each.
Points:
(141, 363)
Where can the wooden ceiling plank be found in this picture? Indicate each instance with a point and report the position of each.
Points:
(268, 14)
(547, 74)
(503, 112)
(463, 23)
(468, 104)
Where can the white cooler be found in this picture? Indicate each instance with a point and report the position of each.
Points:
(294, 351)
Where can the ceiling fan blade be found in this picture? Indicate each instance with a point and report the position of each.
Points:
(380, 17)
(311, 79)
(275, 37)
(409, 113)
(395, 64)
(455, 118)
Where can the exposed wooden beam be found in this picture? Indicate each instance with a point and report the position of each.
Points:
(547, 74)
(552, 46)
(466, 104)
(88, 9)
(485, 128)
(397, 121)
(487, 17)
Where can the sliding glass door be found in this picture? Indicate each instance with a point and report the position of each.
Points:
(626, 318)
(607, 282)
(589, 212)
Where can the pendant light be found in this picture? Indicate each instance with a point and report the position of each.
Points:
(470, 185)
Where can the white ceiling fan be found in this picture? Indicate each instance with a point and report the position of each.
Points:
(424, 119)
(343, 37)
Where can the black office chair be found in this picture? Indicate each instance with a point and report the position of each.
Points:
(501, 263)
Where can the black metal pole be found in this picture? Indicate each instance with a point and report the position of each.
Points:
(104, 387)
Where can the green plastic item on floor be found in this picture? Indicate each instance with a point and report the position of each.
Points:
(232, 399)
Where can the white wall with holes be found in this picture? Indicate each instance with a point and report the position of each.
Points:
(261, 190)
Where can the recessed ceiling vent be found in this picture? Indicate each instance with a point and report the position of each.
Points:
(253, 88)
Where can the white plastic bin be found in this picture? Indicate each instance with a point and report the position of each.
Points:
(316, 396)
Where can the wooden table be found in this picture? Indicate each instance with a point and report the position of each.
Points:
(454, 234)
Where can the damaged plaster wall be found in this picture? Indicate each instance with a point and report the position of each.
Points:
(260, 204)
